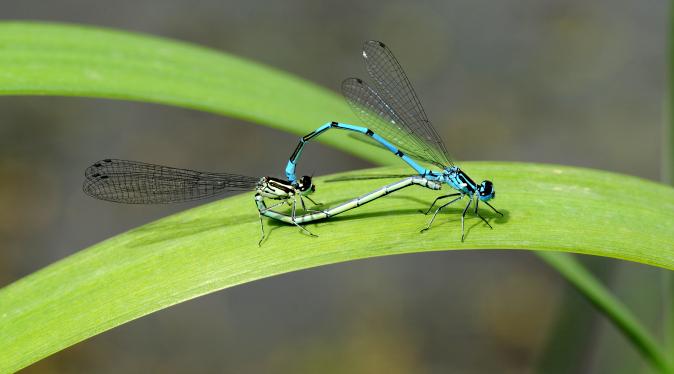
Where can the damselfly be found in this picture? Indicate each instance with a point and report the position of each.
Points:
(134, 182)
(395, 119)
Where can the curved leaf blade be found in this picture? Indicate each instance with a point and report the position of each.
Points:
(58, 59)
(74, 60)
(576, 274)
(214, 246)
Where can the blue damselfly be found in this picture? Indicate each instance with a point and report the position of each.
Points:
(396, 120)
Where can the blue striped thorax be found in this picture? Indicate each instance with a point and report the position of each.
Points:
(461, 182)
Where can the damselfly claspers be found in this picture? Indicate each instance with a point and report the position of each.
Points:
(395, 119)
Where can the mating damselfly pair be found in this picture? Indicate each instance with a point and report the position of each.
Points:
(393, 118)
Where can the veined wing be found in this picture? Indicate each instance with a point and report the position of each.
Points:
(134, 182)
(395, 89)
(379, 116)
(371, 142)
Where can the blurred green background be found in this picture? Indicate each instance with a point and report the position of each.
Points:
(571, 82)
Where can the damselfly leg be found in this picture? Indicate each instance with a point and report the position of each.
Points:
(463, 214)
(428, 226)
(259, 243)
(313, 202)
(304, 207)
(293, 206)
(275, 205)
(477, 202)
(292, 215)
(436, 200)
(494, 209)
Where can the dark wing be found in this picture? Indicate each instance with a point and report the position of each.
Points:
(133, 182)
(395, 89)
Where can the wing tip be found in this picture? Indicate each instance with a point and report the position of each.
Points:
(375, 42)
(352, 81)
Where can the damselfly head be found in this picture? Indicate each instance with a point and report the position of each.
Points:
(305, 186)
(486, 191)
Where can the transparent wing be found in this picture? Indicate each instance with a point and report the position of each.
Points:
(133, 182)
(381, 118)
(371, 142)
(395, 89)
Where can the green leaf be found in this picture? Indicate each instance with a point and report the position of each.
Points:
(214, 246)
(160, 264)
(668, 128)
(668, 177)
(70, 60)
(612, 308)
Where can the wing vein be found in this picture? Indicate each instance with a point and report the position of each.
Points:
(134, 182)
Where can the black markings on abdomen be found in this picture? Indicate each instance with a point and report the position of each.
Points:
(294, 155)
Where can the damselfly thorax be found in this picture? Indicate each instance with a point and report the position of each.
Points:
(279, 189)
